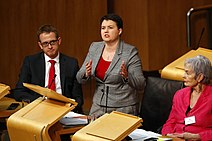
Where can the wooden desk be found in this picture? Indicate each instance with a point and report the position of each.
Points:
(114, 126)
(175, 70)
(4, 113)
(4, 104)
(57, 130)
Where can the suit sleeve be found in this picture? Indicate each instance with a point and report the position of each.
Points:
(169, 126)
(77, 92)
(135, 74)
(82, 70)
(206, 135)
(20, 92)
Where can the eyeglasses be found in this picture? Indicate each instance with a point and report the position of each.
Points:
(46, 44)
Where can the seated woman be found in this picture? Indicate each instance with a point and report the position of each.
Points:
(191, 114)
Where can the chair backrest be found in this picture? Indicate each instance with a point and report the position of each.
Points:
(157, 102)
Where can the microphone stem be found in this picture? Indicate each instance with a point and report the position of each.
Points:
(203, 29)
(107, 90)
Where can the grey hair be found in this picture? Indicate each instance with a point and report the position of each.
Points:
(200, 64)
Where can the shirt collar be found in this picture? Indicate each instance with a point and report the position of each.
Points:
(47, 58)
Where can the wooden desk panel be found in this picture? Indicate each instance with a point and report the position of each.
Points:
(4, 90)
(57, 130)
(114, 126)
(4, 104)
(175, 70)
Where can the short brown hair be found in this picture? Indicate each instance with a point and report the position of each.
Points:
(47, 28)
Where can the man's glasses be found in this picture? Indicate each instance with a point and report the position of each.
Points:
(46, 44)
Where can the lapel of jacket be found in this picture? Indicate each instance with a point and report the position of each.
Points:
(96, 57)
(41, 69)
(115, 59)
(62, 71)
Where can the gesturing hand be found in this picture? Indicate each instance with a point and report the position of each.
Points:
(88, 68)
(124, 72)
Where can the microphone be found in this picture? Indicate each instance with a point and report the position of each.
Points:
(52, 81)
(106, 97)
(107, 91)
(203, 29)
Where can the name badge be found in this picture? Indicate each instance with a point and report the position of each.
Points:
(190, 120)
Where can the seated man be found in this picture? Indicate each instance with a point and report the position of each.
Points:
(49, 68)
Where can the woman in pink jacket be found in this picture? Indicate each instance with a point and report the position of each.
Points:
(191, 114)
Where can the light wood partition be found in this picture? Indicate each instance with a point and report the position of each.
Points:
(32, 122)
(175, 70)
(109, 127)
(4, 90)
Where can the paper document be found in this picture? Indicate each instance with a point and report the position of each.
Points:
(141, 135)
(73, 118)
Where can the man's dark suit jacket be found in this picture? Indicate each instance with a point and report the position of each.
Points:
(33, 72)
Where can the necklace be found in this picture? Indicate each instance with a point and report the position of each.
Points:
(110, 56)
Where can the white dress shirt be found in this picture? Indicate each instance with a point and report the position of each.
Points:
(57, 72)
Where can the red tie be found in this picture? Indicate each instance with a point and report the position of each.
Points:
(51, 84)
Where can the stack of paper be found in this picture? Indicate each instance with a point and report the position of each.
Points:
(141, 135)
(73, 118)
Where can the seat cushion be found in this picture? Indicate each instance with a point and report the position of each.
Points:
(157, 102)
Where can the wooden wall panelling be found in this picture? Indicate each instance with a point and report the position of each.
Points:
(157, 28)
(200, 27)
(135, 29)
(76, 20)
